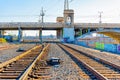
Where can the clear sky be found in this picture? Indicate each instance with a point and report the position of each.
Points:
(85, 10)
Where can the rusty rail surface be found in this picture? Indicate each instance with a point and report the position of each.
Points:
(35, 70)
(103, 70)
(19, 66)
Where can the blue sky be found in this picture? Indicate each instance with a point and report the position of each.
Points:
(85, 10)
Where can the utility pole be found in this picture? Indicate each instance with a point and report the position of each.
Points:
(100, 20)
(42, 14)
(100, 16)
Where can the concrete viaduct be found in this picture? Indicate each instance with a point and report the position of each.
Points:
(65, 26)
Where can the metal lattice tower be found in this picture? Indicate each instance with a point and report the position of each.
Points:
(66, 5)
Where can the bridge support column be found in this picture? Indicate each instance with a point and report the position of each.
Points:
(40, 35)
(1, 33)
(80, 32)
(68, 34)
(68, 30)
(59, 34)
(89, 30)
(19, 34)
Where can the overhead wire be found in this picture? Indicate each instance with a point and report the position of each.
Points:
(53, 14)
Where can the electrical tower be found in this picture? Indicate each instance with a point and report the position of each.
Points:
(100, 20)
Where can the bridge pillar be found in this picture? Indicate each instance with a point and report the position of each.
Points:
(19, 34)
(1, 33)
(68, 30)
(68, 34)
(59, 34)
(80, 32)
(40, 35)
(89, 30)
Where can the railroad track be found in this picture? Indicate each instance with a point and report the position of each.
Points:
(19, 67)
(91, 66)
(41, 71)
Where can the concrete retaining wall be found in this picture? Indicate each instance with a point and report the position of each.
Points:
(115, 48)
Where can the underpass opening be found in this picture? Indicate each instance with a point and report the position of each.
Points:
(49, 36)
(10, 35)
(35, 35)
(30, 36)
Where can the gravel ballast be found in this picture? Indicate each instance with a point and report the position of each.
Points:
(67, 70)
(11, 53)
(113, 58)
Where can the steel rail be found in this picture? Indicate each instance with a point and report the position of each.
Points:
(13, 68)
(25, 74)
(94, 66)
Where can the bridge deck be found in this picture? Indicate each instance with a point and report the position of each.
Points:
(49, 26)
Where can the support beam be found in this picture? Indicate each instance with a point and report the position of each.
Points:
(1, 33)
(81, 32)
(59, 34)
(86, 30)
(19, 34)
(89, 30)
(40, 35)
(68, 34)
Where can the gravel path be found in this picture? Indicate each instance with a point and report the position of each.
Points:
(68, 70)
(11, 53)
(114, 58)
